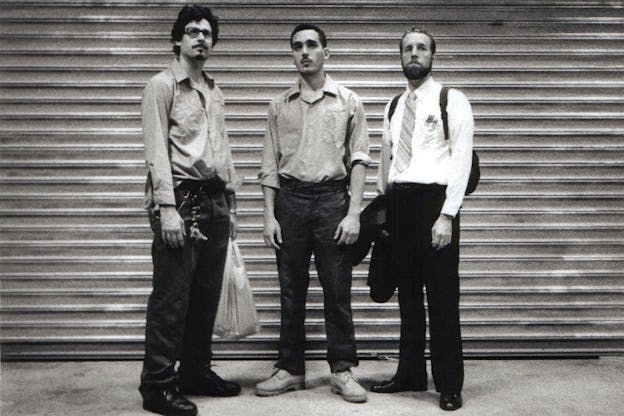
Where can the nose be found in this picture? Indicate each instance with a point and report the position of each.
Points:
(305, 51)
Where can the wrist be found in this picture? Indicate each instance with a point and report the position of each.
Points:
(448, 217)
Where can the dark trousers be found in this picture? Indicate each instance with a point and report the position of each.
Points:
(186, 288)
(413, 209)
(309, 215)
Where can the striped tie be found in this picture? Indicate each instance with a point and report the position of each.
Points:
(404, 147)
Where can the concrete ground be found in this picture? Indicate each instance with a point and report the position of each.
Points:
(500, 387)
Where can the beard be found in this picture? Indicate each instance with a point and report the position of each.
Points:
(416, 71)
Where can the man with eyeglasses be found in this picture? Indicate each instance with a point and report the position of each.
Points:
(192, 209)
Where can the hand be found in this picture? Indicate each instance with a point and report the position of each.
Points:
(441, 232)
(272, 233)
(233, 226)
(348, 230)
(172, 227)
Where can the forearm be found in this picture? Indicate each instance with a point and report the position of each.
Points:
(269, 201)
(356, 188)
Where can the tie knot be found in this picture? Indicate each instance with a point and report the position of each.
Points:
(411, 95)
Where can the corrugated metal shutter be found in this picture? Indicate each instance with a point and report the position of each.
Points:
(542, 261)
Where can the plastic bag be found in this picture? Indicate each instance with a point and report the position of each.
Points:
(236, 316)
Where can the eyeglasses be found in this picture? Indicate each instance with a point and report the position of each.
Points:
(194, 32)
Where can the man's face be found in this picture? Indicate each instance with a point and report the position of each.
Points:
(416, 55)
(308, 52)
(196, 42)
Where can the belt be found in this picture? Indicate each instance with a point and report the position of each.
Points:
(312, 188)
(416, 187)
(209, 186)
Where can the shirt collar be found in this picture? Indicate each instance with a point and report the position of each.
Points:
(179, 73)
(330, 87)
(423, 89)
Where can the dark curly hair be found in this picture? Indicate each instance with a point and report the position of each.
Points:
(190, 14)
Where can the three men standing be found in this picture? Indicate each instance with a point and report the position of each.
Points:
(425, 175)
(191, 203)
(312, 177)
(313, 171)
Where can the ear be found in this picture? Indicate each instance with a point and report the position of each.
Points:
(326, 53)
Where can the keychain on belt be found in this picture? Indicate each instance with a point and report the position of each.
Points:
(194, 232)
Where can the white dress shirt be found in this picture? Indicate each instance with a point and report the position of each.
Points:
(434, 160)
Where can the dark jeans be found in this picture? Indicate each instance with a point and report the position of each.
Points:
(309, 215)
(186, 288)
(413, 209)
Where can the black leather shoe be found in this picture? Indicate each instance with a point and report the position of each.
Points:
(450, 401)
(395, 386)
(168, 401)
(208, 384)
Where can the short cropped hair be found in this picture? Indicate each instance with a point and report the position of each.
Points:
(309, 26)
(190, 14)
(415, 29)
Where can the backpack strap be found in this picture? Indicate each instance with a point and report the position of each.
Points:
(393, 105)
(443, 113)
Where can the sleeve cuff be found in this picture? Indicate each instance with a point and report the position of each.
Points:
(450, 211)
(361, 158)
(269, 180)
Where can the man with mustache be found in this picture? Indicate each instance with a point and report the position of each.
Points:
(312, 177)
(425, 175)
(192, 208)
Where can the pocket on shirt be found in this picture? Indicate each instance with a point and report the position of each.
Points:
(289, 133)
(333, 128)
(433, 134)
(187, 119)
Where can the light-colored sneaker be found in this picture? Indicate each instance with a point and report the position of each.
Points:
(345, 384)
(280, 382)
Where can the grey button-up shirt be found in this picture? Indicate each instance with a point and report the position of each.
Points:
(314, 139)
(184, 134)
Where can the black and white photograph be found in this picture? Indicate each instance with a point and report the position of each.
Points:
(311, 208)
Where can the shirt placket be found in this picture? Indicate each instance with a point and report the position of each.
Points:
(209, 121)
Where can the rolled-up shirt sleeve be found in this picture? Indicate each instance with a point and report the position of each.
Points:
(461, 131)
(155, 107)
(269, 172)
(358, 134)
